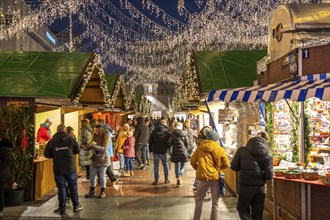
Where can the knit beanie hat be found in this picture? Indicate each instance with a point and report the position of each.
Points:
(211, 135)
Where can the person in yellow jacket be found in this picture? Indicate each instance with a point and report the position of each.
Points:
(208, 160)
(122, 135)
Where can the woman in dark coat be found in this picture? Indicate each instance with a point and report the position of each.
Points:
(5, 161)
(178, 141)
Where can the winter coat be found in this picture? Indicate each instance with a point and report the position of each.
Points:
(190, 138)
(179, 143)
(254, 163)
(129, 150)
(122, 136)
(62, 149)
(101, 156)
(110, 145)
(86, 134)
(158, 140)
(44, 133)
(85, 155)
(141, 132)
(5, 160)
(209, 160)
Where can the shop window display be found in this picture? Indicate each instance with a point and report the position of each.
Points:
(319, 113)
(282, 131)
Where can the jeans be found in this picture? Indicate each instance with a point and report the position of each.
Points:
(100, 171)
(121, 161)
(196, 183)
(147, 152)
(140, 152)
(73, 188)
(201, 193)
(163, 158)
(251, 197)
(129, 163)
(110, 174)
(179, 169)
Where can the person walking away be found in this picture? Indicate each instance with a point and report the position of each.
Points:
(190, 137)
(149, 124)
(85, 155)
(129, 152)
(200, 138)
(44, 134)
(100, 159)
(62, 148)
(209, 160)
(70, 132)
(5, 162)
(159, 147)
(122, 135)
(141, 135)
(178, 141)
(109, 170)
(255, 166)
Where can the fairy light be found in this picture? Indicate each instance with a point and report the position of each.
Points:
(95, 64)
(151, 52)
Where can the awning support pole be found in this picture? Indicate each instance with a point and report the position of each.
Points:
(212, 121)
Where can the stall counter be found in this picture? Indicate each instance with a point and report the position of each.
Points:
(300, 199)
(44, 177)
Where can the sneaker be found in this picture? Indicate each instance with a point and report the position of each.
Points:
(78, 208)
(59, 211)
(90, 195)
(102, 195)
(155, 183)
(167, 181)
(141, 167)
(178, 182)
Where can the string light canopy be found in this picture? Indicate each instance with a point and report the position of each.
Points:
(149, 43)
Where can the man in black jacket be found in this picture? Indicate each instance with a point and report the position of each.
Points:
(62, 149)
(158, 146)
(141, 135)
(255, 166)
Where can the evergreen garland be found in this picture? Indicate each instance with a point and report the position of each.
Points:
(307, 134)
(270, 126)
(294, 136)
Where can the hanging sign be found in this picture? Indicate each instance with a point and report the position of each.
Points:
(227, 116)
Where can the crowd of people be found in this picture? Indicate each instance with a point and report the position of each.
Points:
(100, 145)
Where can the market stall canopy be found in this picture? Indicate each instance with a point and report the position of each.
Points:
(317, 85)
(226, 69)
(53, 78)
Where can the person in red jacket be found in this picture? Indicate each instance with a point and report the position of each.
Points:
(129, 153)
(44, 134)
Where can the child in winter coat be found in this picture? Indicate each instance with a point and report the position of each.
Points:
(129, 152)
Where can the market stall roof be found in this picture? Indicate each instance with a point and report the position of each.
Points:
(226, 69)
(317, 85)
(51, 76)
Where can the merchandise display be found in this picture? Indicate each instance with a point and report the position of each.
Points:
(319, 113)
(282, 130)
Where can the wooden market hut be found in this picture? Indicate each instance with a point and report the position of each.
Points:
(118, 109)
(44, 81)
(209, 70)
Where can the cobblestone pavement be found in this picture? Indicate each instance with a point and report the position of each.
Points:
(132, 198)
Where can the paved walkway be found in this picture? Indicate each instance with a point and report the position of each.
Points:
(133, 198)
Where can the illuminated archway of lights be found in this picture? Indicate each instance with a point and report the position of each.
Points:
(149, 43)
